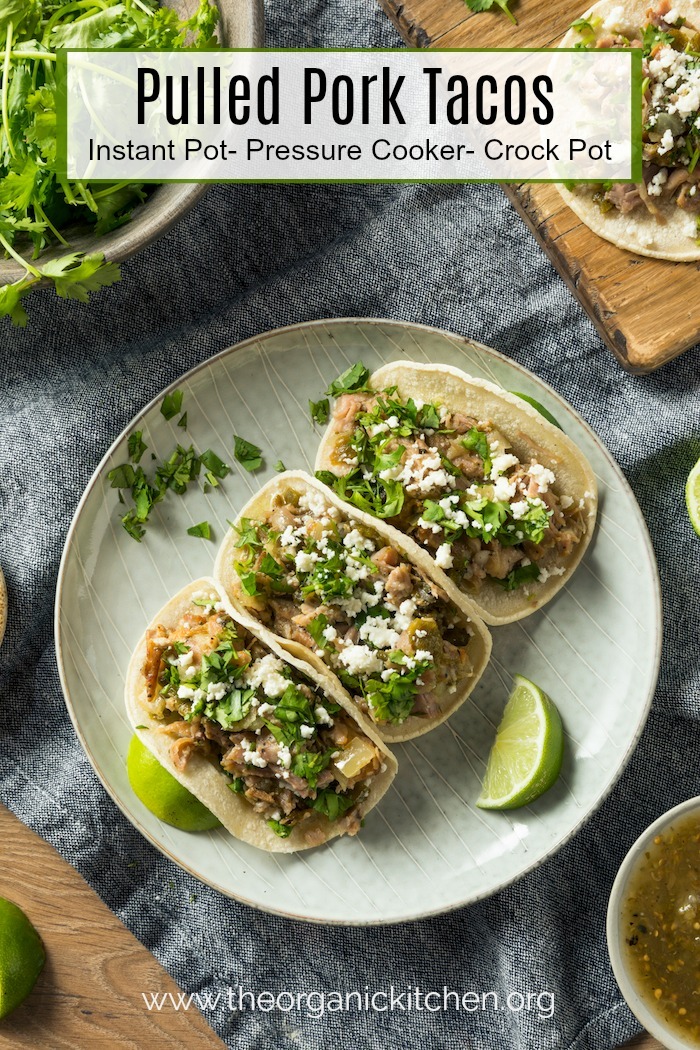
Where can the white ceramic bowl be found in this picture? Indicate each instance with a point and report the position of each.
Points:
(638, 1004)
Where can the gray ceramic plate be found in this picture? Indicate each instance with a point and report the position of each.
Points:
(425, 849)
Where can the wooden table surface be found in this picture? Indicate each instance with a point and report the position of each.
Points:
(89, 994)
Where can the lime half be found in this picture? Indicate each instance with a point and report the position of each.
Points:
(692, 496)
(540, 408)
(163, 794)
(527, 753)
(22, 956)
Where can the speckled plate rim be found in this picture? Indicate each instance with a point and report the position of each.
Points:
(566, 410)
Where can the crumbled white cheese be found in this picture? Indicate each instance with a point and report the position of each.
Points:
(655, 187)
(424, 654)
(216, 691)
(284, 756)
(443, 556)
(354, 540)
(322, 716)
(185, 692)
(542, 476)
(566, 502)
(252, 758)
(313, 502)
(360, 659)
(304, 562)
(306, 731)
(266, 673)
(500, 464)
(185, 659)
(330, 633)
(503, 489)
(377, 631)
(666, 143)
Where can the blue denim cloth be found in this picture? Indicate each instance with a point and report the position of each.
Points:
(254, 258)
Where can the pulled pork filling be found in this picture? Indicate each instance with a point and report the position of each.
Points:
(670, 111)
(321, 579)
(286, 749)
(451, 483)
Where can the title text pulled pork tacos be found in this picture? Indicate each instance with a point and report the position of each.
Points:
(343, 591)
(500, 498)
(275, 750)
(659, 216)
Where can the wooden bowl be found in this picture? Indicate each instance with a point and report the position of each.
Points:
(241, 25)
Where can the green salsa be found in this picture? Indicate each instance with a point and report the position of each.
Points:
(661, 927)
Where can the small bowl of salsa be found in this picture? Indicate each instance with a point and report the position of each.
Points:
(653, 927)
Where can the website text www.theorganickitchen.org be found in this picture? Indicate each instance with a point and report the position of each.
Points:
(392, 999)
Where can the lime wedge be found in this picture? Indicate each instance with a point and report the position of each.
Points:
(692, 496)
(22, 956)
(540, 408)
(163, 794)
(527, 753)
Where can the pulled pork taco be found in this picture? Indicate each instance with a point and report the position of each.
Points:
(358, 601)
(267, 744)
(502, 501)
(659, 216)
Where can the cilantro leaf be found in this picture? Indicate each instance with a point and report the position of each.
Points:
(172, 404)
(280, 467)
(485, 5)
(283, 830)
(320, 411)
(203, 530)
(354, 378)
(75, 275)
(137, 447)
(520, 575)
(214, 464)
(316, 628)
(331, 804)
(247, 454)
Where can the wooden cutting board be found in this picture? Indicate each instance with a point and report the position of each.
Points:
(89, 993)
(646, 310)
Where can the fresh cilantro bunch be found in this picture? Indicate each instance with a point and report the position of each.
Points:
(39, 207)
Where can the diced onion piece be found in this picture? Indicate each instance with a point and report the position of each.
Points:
(353, 759)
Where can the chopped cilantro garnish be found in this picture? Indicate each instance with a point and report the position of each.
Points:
(172, 404)
(249, 582)
(174, 474)
(316, 629)
(137, 447)
(310, 764)
(121, 477)
(522, 574)
(485, 5)
(653, 36)
(393, 700)
(203, 530)
(283, 830)
(280, 467)
(354, 378)
(237, 785)
(331, 804)
(476, 440)
(182, 421)
(320, 411)
(214, 464)
(383, 499)
(247, 454)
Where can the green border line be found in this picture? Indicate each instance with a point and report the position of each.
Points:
(62, 112)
